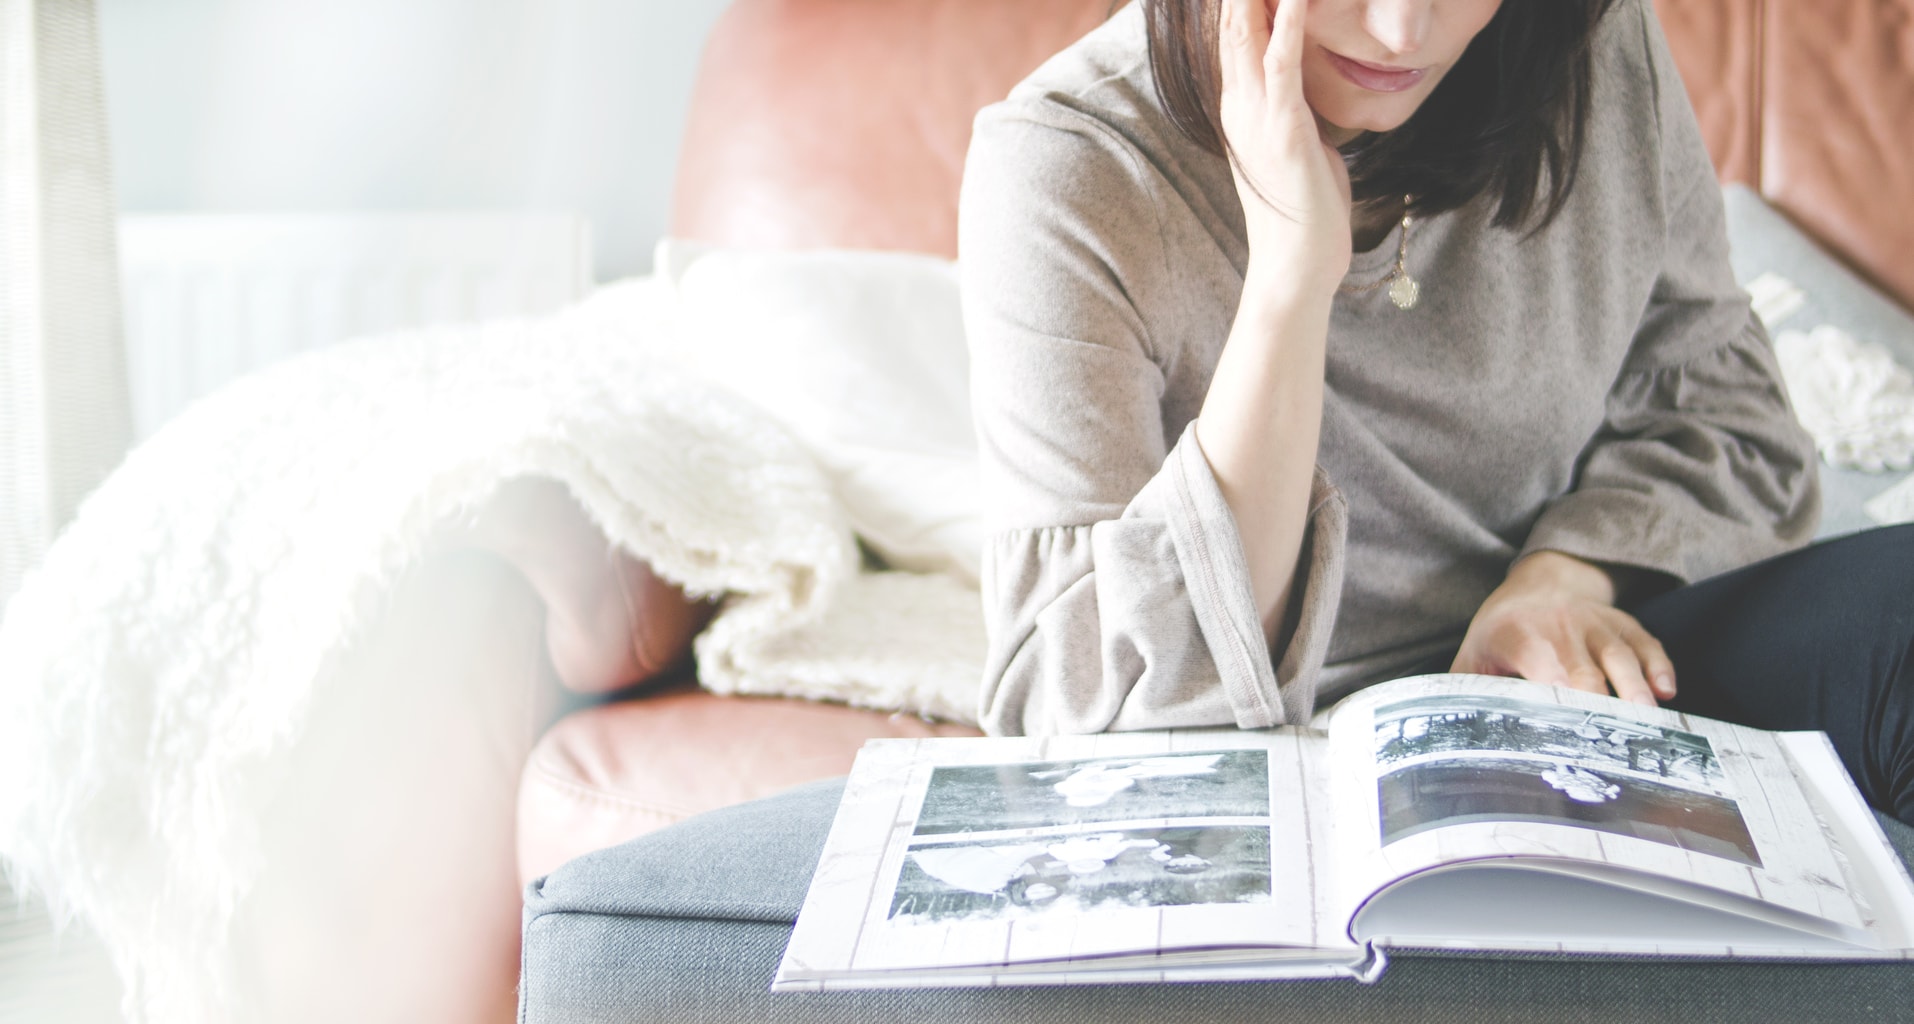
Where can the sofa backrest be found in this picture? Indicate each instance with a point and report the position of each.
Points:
(843, 123)
(1811, 104)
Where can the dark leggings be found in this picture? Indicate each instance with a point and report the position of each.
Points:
(1821, 638)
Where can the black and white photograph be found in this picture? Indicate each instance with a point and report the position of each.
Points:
(1427, 727)
(1043, 794)
(1082, 871)
(1436, 793)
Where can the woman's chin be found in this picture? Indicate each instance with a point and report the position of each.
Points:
(1346, 117)
(1335, 134)
(1342, 126)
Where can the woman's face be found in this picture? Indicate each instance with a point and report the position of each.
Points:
(1368, 64)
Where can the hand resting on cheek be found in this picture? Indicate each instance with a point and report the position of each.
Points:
(1292, 182)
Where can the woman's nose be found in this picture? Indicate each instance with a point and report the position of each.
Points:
(1400, 25)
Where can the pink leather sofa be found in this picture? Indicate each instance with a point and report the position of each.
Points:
(842, 123)
(814, 123)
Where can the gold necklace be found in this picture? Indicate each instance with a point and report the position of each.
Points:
(1404, 290)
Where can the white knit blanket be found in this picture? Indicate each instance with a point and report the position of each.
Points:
(1852, 397)
(155, 670)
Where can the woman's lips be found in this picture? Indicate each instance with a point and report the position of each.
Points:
(1373, 77)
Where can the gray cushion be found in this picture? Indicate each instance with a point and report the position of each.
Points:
(1761, 241)
(688, 925)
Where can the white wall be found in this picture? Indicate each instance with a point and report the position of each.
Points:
(325, 105)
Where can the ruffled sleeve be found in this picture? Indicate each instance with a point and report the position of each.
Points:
(1116, 593)
(1701, 466)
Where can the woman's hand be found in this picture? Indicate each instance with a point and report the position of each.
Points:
(1292, 182)
(1554, 620)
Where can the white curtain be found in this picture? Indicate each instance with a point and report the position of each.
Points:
(64, 411)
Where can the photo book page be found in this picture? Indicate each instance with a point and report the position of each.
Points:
(1164, 855)
(1446, 769)
(1437, 812)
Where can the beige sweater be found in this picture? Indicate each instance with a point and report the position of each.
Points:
(1599, 389)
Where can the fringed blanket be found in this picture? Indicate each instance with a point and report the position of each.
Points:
(154, 672)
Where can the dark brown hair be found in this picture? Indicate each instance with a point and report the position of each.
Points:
(1508, 116)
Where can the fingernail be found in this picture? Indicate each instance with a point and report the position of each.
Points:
(1642, 699)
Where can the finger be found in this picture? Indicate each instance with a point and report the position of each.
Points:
(1469, 662)
(1535, 659)
(1656, 665)
(1283, 56)
(1242, 35)
(1579, 670)
(1582, 673)
(1621, 665)
(1481, 654)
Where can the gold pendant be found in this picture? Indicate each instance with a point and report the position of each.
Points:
(1404, 291)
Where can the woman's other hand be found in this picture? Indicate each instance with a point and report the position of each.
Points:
(1554, 620)
(1292, 182)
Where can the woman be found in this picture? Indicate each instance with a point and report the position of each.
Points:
(1314, 345)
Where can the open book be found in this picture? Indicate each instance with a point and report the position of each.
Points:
(1451, 812)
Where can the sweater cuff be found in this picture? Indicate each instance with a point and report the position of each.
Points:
(1318, 596)
(1209, 551)
(1614, 527)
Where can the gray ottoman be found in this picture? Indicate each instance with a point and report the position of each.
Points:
(688, 925)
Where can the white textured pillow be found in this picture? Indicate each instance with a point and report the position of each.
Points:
(1798, 287)
(861, 355)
